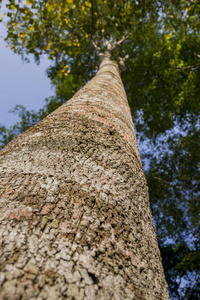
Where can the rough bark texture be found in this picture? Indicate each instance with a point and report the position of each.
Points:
(74, 208)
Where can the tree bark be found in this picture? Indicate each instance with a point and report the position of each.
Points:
(75, 215)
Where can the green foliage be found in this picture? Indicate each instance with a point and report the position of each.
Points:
(61, 28)
(6, 135)
(162, 83)
(174, 181)
(180, 262)
(164, 92)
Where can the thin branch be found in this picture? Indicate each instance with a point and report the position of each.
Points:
(92, 13)
(110, 48)
(174, 186)
(117, 43)
(95, 45)
(108, 45)
(121, 62)
(99, 54)
(189, 67)
(198, 55)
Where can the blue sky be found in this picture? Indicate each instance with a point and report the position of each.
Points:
(20, 83)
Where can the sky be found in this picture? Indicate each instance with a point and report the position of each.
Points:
(20, 83)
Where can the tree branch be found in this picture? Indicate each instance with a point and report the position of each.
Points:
(100, 54)
(174, 186)
(189, 67)
(108, 45)
(198, 55)
(95, 45)
(117, 43)
(121, 62)
(92, 13)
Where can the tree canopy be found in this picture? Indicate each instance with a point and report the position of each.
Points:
(162, 40)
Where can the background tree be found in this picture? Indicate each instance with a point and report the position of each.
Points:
(161, 82)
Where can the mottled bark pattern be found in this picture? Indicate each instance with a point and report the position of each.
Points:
(74, 209)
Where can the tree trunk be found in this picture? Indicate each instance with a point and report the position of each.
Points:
(75, 215)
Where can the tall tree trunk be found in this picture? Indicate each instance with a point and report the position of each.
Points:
(75, 214)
